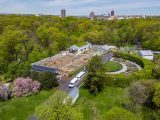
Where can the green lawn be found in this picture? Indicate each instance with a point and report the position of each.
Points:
(21, 108)
(80, 44)
(93, 107)
(112, 66)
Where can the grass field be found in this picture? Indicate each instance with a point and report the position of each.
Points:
(93, 107)
(21, 108)
(112, 66)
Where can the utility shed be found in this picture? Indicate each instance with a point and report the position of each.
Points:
(147, 54)
(74, 94)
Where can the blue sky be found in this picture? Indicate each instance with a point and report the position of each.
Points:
(81, 7)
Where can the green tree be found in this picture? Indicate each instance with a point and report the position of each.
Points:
(48, 80)
(141, 92)
(95, 37)
(58, 107)
(156, 96)
(118, 113)
(94, 81)
(156, 71)
(15, 46)
(17, 69)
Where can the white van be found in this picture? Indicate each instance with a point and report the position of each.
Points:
(72, 83)
(80, 75)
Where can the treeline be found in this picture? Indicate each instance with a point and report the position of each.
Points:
(26, 39)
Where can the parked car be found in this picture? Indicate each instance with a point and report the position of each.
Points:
(80, 75)
(72, 83)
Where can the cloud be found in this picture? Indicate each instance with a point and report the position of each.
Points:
(80, 7)
(62, 3)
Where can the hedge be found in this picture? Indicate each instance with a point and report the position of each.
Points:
(122, 80)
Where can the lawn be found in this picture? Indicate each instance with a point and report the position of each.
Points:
(112, 66)
(80, 44)
(93, 107)
(21, 108)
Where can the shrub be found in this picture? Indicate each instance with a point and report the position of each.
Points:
(141, 92)
(48, 80)
(156, 97)
(156, 72)
(118, 113)
(4, 92)
(25, 87)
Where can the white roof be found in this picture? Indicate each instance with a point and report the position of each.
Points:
(74, 80)
(146, 52)
(80, 74)
(74, 47)
(107, 47)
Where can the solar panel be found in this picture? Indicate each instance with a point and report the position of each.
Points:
(44, 69)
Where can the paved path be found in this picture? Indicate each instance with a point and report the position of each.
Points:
(64, 84)
(124, 67)
(123, 70)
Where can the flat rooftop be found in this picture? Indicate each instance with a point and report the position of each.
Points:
(65, 62)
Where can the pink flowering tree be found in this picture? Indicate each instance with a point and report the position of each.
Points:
(25, 87)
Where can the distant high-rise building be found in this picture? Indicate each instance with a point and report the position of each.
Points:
(63, 13)
(91, 15)
(112, 13)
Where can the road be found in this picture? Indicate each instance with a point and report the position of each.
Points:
(64, 84)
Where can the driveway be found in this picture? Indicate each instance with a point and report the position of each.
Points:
(64, 84)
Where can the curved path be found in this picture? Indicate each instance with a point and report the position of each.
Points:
(125, 67)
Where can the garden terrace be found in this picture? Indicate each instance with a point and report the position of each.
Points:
(65, 62)
(123, 80)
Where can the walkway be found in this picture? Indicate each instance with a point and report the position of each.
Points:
(124, 69)
(128, 67)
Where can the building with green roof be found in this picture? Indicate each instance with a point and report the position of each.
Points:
(80, 47)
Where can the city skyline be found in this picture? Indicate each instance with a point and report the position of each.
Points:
(81, 7)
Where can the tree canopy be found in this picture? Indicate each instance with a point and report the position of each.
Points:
(30, 38)
(56, 109)
(95, 78)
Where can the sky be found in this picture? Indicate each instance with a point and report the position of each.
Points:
(81, 7)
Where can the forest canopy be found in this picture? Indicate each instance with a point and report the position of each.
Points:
(27, 39)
